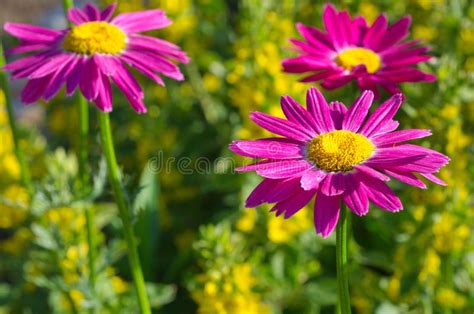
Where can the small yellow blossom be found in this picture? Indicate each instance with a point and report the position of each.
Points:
(448, 298)
(13, 207)
(282, 230)
(119, 285)
(246, 223)
(430, 269)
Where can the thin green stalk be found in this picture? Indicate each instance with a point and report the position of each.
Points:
(67, 4)
(91, 243)
(344, 304)
(83, 114)
(24, 171)
(83, 110)
(115, 180)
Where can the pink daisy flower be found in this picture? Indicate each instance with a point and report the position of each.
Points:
(93, 52)
(338, 155)
(374, 55)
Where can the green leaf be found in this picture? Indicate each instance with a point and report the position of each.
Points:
(147, 220)
(160, 294)
(43, 238)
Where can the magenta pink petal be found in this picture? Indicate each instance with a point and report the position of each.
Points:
(434, 178)
(273, 148)
(255, 166)
(90, 75)
(258, 194)
(77, 16)
(356, 114)
(156, 45)
(356, 197)
(104, 97)
(382, 115)
(395, 33)
(332, 25)
(34, 89)
(32, 34)
(75, 76)
(358, 29)
(296, 113)
(129, 87)
(272, 191)
(380, 194)
(337, 81)
(311, 179)
(319, 109)
(107, 63)
(375, 33)
(27, 47)
(407, 177)
(154, 62)
(333, 184)
(294, 203)
(92, 12)
(395, 155)
(371, 172)
(107, 13)
(401, 62)
(338, 110)
(315, 37)
(143, 67)
(399, 136)
(284, 169)
(27, 63)
(281, 126)
(320, 75)
(304, 47)
(59, 78)
(141, 21)
(52, 64)
(403, 74)
(304, 64)
(326, 213)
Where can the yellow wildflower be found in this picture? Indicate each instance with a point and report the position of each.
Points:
(119, 285)
(13, 210)
(246, 223)
(448, 298)
(430, 269)
(282, 230)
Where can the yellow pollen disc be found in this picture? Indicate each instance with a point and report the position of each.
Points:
(95, 37)
(352, 57)
(339, 150)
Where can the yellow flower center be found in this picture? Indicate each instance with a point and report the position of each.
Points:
(352, 57)
(95, 37)
(339, 150)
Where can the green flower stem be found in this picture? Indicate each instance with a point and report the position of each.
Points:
(115, 180)
(68, 4)
(24, 171)
(91, 244)
(83, 109)
(344, 304)
(83, 114)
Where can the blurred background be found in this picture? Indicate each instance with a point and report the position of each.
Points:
(200, 249)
